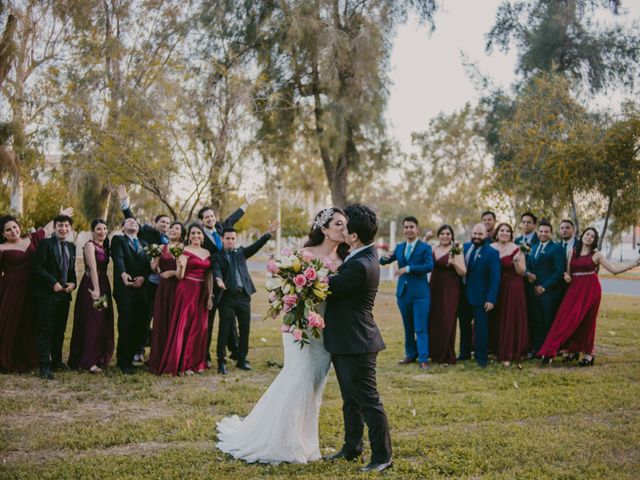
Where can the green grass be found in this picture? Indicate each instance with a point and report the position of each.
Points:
(448, 422)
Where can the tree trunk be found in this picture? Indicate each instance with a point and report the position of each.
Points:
(606, 222)
(574, 213)
(16, 204)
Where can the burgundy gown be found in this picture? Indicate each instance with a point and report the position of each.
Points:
(574, 327)
(509, 318)
(186, 344)
(18, 351)
(92, 337)
(445, 292)
(162, 310)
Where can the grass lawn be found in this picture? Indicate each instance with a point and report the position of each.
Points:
(448, 422)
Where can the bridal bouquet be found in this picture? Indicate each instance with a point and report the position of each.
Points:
(456, 249)
(176, 249)
(153, 251)
(297, 283)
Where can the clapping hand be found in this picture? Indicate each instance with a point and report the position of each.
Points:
(122, 193)
(428, 235)
(66, 211)
(273, 226)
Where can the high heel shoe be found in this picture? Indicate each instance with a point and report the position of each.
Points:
(573, 357)
(587, 362)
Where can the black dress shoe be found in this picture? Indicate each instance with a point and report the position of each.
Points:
(406, 361)
(377, 467)
(243, 366)
(222, 369)
(128, 370)
(45, 373)
(60, 367)
(233, 356)
(587, 362)
(343, 456)
(544, 361)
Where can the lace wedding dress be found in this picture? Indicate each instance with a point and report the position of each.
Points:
(283, 425)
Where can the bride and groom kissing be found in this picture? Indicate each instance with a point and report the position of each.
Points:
(283, 425)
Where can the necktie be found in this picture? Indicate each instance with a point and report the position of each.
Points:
(540, 248)
(235, 278)
(164, 239)
(217, 240)
(136, 244)
(64, 262)
(407, 251)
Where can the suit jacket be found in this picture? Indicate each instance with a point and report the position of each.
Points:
(349, 325)
(534, 240)
(46, 267)
(147, 233)
(229, 222)
(548, 267)
(577, 246)
(221, 266)
(414, 284)
(126, 259)
(483, 275)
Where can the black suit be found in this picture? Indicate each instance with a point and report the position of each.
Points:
(132, 302)
(235, 301)
(353, 339)
(52, 308)
(232, 340)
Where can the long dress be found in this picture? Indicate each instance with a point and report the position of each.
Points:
(574, 327)
(445, 293)
(162, 310)
(186, 344)
(18, 351)
(92, 337)
(283, 425)
(510, 315)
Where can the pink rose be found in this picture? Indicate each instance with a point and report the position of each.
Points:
(297, 334)
(315, 320)
(273, 296)
(290, 300)
(300, 280)
(310, 273)
(272, 266)
(284, 328)
(287, 308)
(286, 252)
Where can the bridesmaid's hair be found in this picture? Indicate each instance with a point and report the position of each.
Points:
(191, 227)
(596, 237)
(99, 221)
(3, 223)
(316, 237)
(183, 230)
(444, 227)
(503, 224)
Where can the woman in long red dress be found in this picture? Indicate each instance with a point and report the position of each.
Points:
(445, 291)
(92, 336)
(186, 346)
(574, 328)
(165, 296)
(509, 318)
(18, 350)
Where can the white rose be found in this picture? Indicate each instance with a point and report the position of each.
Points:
(323, 272)
(285, 262)
(273, 283)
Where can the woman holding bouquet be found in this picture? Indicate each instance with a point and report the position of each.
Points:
(17, 316)
(166, 266)
(448, 269)
(92, 337)
(185, 350)
(283, 425)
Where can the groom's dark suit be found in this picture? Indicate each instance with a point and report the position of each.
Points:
(353, 339)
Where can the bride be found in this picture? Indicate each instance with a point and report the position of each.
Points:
(283, 425)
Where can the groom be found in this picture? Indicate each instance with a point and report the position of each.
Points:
(353, 339)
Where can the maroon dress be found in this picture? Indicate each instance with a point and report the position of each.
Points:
(445, 292)
(92, 337)
(18, 351)
(509, 318)
(162, 310)
(186, 344)
(574, 327)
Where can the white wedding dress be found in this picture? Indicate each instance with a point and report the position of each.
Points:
(283, 425)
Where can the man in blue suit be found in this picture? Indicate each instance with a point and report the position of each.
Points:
(528, 226)
(415, 261)
(482, 284)
(545, 269)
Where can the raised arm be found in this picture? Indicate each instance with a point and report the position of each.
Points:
(599, 259)
(232, 219)
(125, 201)
(48, 228)
(252, 249)
(388, 258)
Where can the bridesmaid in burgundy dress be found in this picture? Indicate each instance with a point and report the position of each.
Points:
(18, 351)
(185, 350)
(574, 328)
(509, 318)
(163, 306)
(92, 336)
(445, 291)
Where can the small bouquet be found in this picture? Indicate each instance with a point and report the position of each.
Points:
(101, 303)
(297, 283)
(456, 249)
(525, 247)
(153, 251)
(176, 249)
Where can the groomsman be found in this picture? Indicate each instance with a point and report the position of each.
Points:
(234, 298)
(489, 222)
(568, 239)
(54, 280)
(156, 233)
(545, 270)
(213, 242)
(130, 269)
(415, 261)
(482, 285)
(528, 223)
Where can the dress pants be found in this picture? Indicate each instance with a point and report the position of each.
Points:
(481, 324)
(232, 339)
(465, 316)
(151, 288)
(361, 404)
(415, 318)
(544, 308)
(132, 321)
(234, 305)
(53, 312)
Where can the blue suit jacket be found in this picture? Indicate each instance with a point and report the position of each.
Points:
(534, 241)
(483, 275)
(549, 267)
(414, 284)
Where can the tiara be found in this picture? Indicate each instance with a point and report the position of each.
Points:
(323, 218)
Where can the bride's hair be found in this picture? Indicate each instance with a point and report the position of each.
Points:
(323, 219)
